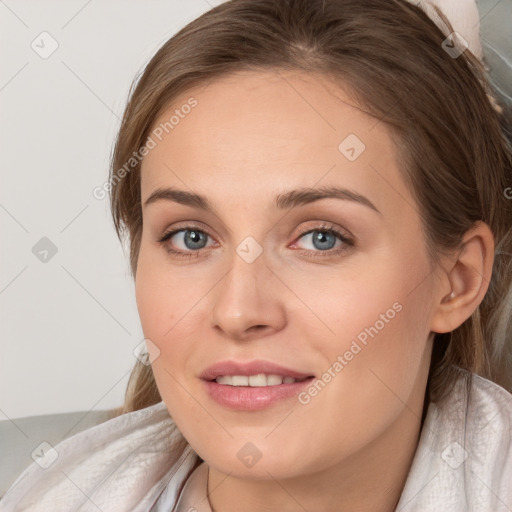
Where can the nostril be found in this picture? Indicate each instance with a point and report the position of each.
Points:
(257, 327)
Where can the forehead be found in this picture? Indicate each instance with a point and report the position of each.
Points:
(258, 133)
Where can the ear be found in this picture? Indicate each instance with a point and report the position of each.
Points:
(465, 280)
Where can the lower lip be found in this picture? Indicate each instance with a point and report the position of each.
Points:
(249, 398)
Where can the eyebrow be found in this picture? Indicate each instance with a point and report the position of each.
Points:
(289, 199)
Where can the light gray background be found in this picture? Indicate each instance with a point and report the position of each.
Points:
(68, 325)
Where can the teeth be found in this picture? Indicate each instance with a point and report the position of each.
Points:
(257, 380)
(260, 380)
(239, 380)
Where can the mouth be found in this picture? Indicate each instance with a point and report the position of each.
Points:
(250, 393)
(252, 373)
(253, 385)
(258, 380)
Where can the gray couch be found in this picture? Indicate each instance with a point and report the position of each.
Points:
(20, 437)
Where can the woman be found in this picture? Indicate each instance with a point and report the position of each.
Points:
(315, 195)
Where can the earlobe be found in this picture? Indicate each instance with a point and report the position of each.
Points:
(466, 280)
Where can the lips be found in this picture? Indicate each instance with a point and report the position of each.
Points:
(248, 368)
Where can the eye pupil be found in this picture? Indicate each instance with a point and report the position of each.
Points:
(321, 237)
(194, 237)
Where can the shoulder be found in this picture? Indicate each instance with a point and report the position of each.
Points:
(482, 411)
(477, 406)
(126, 461)
(488, 434)
(487, 397)
(464, 456)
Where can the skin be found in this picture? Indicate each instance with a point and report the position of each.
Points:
(251, 137)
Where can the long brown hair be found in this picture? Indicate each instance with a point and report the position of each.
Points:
(454, 155)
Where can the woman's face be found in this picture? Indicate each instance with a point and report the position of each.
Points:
(262, 274)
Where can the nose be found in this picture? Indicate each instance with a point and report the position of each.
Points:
(248, 301)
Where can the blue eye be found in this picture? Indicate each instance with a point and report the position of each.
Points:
(193, 240)
(322, 240)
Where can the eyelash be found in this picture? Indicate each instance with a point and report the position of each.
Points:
(324, 228)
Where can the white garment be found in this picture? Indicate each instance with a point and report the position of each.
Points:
(140, 462)
(194, 497)
(463, 16)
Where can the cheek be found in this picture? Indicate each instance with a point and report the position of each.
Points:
(374, 327)
(170, 312)
(372, 365)
(352, 304)
(163, 297)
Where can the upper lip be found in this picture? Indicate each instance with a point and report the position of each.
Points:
(250, 368)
